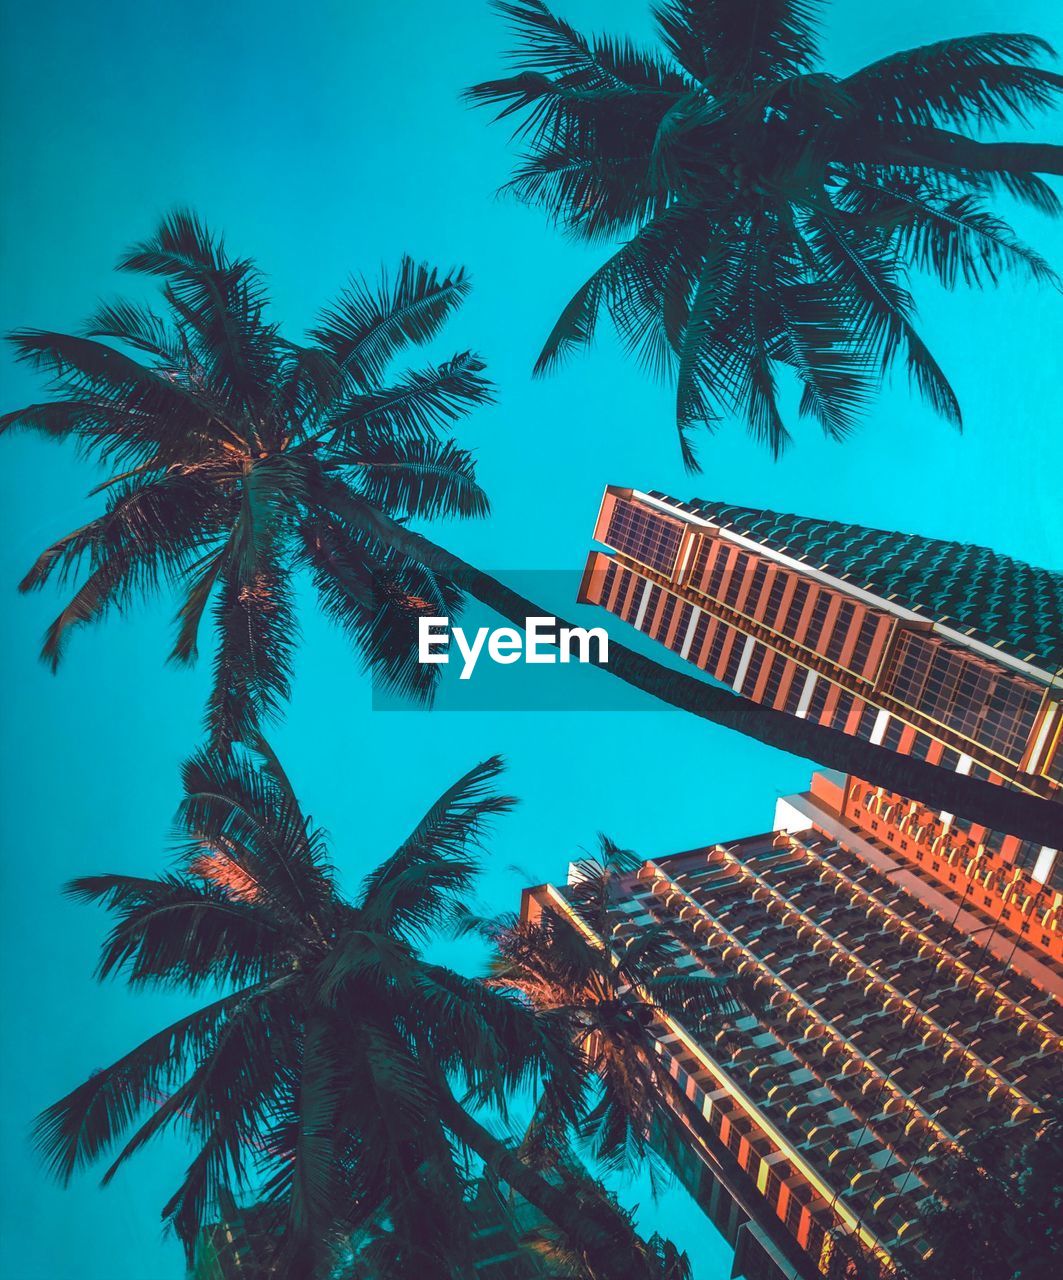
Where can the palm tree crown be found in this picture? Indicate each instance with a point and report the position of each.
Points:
(334, 1070)
(314, 1072)
(607, 995)
(771, 211)
(242, 458)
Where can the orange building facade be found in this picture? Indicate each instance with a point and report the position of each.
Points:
(944, 651)
(815, 1130)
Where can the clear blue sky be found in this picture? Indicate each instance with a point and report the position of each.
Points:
(328, 138)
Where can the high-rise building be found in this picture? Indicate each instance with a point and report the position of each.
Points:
(948, 652)
(815, 1129)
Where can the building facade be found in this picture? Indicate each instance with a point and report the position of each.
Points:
(815, 1131)
(944, 651)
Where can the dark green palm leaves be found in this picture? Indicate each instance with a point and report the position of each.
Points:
(314, 1076)
(242, 458)
(771, 214)
(608, 994)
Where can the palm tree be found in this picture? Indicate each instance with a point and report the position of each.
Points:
(1004, 1216)
(771, 212)
(333, 1067)
(244, 459)
(606, 993)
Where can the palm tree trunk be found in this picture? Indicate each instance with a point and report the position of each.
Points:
(997, 807)
(611, 1247)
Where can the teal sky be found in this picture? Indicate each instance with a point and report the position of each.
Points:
(326, 139)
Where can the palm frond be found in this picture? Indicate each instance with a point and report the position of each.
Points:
(220, 303)
(728, 44)
(377, 596)
(419, 405)
(176, 931)
(982, 80)
(366, 326)
(77, 1129)
(433, 869)
(255, 621)
(426, 478)
(240, 823)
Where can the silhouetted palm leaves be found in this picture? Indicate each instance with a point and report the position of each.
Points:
(771, 213)
(334, 1071)
(243, 458)
(606, 997)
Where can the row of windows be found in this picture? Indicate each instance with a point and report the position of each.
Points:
(990, 707)
(722, 572)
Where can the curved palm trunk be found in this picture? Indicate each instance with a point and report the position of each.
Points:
(1015, 812)
(609, 1244)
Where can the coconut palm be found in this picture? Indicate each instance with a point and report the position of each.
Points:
(1004, 1215)
(772, 212)
(606, 993)
(333, 1067)
(241, 457)
(242, 460)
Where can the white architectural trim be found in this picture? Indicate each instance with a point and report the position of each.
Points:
(1042, 868)
(640, 617)
(692, 626)
(806, 695)
(743, 664)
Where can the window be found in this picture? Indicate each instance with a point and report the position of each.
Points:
(993, 708)
(816, 621)
(718, 570)
(646, 536)
(749, 604)
(752, 675)
(734, 660)
(793, 613)
(994, 841)
(793, 694)
(775, 595)
(651, 605)
(818, 700)
(864, 638)
(841, 630)
(776, 667)
(666, 617)
(735, 577)
(632, 594)
(681, 627)
(866, 724)
(706, 546)
(1027, 854)
(841, 710)
(716, 648)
